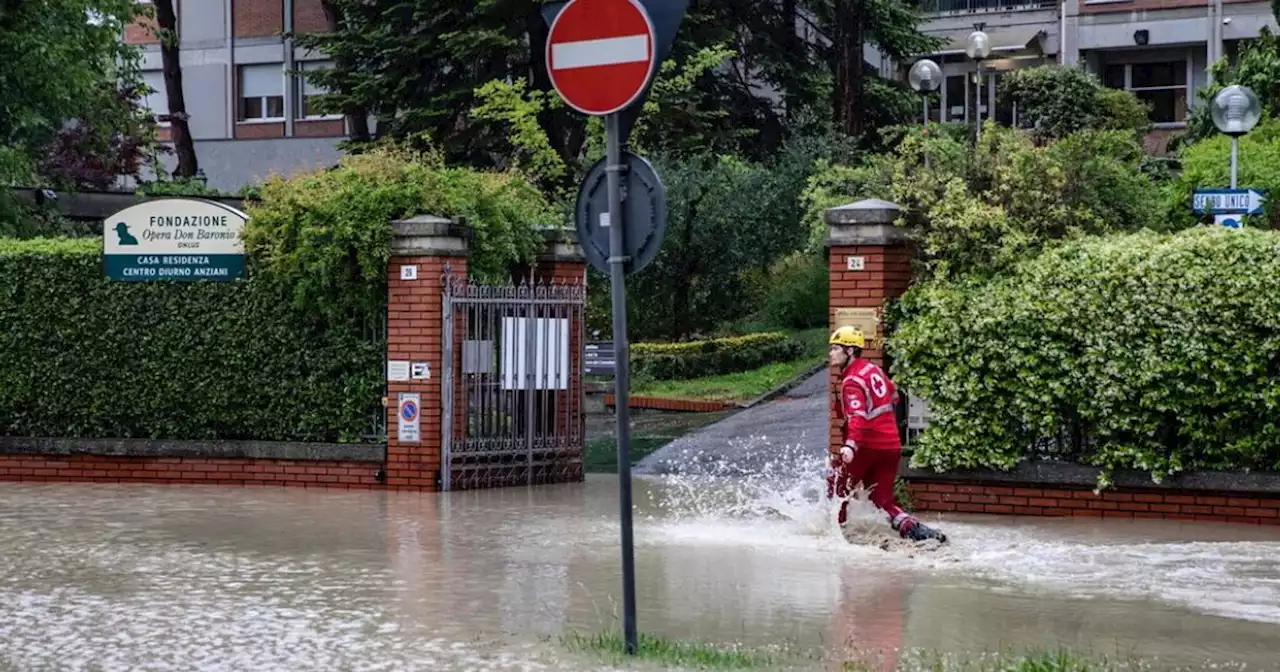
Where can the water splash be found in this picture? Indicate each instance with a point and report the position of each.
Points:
(755, 481)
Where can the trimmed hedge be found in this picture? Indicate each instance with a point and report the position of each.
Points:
(81, 356)
(1157, 352)
(713, 357)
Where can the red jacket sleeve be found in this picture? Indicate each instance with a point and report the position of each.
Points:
(854, 400)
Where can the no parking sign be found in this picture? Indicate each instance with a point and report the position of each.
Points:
(410, 411)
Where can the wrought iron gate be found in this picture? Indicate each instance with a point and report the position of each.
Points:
(511, 385)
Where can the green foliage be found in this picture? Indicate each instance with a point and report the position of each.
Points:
(1056, 101)
(729, 220)
(793, 293)
(178, 187)
(82, 356)
(698, 359)
(1207, 164)
(1155, 351)
(1257, 66)
(63, 61)
(833, 185)
(324, 237)
(980, 211)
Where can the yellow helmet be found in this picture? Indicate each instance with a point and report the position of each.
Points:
(849, 337)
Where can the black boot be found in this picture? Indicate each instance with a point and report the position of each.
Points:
(917, 531)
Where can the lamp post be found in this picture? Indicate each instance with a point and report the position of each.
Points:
(1235, 111)
(925, 77)
(977, 47)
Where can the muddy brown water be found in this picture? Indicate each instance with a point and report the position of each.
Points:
(134, 577)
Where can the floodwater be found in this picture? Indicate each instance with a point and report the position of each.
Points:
(135, 577)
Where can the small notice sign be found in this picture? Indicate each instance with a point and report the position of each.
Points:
(410, 410)
(866, 320)
(421, 371)
(397, 370)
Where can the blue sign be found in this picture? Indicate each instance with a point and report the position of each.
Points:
(1228, 201)
(409, 410)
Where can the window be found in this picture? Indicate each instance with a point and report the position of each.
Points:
(157, 101)
(957, 109)
(307, 92)
(262, 92)
(1162, 86)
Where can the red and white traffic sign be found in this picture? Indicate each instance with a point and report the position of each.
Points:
(600, 54)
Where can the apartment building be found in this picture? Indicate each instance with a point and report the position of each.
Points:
(248, 116)
(1158, 49)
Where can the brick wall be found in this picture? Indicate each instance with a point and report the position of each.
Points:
(141, 31)
(414, 322)
(256, 131)
(1218, 507)
(885, 275)
(258, 18)
(308, 17)
(245, 471)
(319, 128)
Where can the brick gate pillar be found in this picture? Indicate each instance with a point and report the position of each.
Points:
(421, 247)
(870, 263)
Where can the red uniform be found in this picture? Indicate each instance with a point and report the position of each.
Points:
(867, 403)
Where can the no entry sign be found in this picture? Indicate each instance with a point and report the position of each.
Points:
(600, 54)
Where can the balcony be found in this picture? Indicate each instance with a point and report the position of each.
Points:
(981, 6)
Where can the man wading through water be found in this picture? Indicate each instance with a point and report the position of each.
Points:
(872, 448)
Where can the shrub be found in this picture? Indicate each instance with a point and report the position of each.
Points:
(1150, 351)
(1057, 101)
(82, 356)
(981, 211)
(1207, 164)
(795, 291)
(697, 359)
(322, 237)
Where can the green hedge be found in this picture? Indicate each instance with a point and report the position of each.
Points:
(81, 356)
(697, 359)
(1158, 352)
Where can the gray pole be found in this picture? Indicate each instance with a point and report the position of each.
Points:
(925, 98)
(1235, 152)
(622, 377)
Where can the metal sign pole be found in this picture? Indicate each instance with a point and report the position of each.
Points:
(1235, 153)
(622, 378)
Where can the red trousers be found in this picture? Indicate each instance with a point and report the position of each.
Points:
(875, 467)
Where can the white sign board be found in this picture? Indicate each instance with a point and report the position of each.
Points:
(397, 370)
(421, 371)
(409, 412)
(856, 263)
(408, 272)
(184, 239)
(549, 339)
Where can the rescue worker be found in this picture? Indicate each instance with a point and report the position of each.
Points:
(871, 448)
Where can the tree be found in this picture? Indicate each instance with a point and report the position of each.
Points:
(66, 71)
(184, 147)
(414, 65)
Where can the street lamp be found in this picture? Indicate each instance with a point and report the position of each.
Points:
(1235, 111)
(925, 76)
(978, 48)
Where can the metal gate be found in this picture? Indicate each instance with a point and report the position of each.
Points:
(511, 385)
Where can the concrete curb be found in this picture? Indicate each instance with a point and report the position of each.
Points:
(1070, 474)
(784, 388)
(266, 450)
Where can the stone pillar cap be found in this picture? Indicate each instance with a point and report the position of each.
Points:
(869, 211)
(561, 244)
(867, 222)
(428, 235)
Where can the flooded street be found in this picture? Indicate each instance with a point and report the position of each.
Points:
(182, 578)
